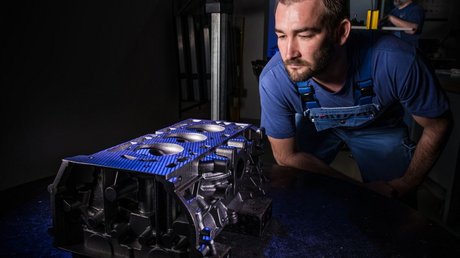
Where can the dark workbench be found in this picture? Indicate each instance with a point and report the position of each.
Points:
(318, 216)
(313, 216)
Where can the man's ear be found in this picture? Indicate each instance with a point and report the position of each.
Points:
(343, 31)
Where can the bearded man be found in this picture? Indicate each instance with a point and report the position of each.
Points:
(327, 87)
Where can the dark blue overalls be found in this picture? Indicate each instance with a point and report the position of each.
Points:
(382, 151)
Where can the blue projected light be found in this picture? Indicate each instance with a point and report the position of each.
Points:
(166, 150)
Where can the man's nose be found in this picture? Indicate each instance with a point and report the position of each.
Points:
(292, 49)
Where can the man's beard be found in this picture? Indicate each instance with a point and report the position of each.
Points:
(321, 60)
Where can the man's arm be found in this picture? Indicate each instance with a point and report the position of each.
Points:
(403, 24)
(435, 133)
(285, 154)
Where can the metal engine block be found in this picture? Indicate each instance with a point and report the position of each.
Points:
(166, 194)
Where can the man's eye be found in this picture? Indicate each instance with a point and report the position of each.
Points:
(281, 36)
(305, 36)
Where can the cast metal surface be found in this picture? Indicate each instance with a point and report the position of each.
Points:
(166, 194)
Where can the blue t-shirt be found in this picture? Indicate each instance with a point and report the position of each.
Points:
(400, 77)
(412, 13)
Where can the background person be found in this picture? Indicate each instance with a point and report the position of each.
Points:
(407, 14)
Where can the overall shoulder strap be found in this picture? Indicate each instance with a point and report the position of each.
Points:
(363, 84)
(307, 94)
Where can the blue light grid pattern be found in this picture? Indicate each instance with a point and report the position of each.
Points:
(127, 156)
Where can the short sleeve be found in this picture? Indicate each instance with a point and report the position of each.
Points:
(277, 117)
(417, 15)
(420, 92)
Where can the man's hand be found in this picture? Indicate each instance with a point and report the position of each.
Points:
(400, 187)
(402, 24)
(396, 188)
(382, 188)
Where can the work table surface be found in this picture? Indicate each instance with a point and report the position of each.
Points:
(313, 216)
(319, 216)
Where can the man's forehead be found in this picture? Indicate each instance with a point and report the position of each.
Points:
(291, 2)
(306, 11)
(302, 6)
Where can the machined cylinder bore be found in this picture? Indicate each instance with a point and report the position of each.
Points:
(210, 128)
(160, 149)
(187, 137)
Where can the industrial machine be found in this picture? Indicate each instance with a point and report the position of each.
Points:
(165, 194)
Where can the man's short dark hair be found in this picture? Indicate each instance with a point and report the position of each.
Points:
(336, 11)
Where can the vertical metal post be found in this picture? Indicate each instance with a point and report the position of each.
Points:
(215, 66)
(382, 9)
(224, 38)
(219, 31)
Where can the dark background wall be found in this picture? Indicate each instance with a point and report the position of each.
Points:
(81, 76)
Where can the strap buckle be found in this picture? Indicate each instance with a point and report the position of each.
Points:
(367, 91)
(307, 96)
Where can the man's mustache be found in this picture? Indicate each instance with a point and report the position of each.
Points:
(296, 62)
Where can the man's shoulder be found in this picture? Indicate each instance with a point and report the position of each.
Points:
(393, 44)
(380, 42)
(275, 64)
(415, 6)
(412, 10)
